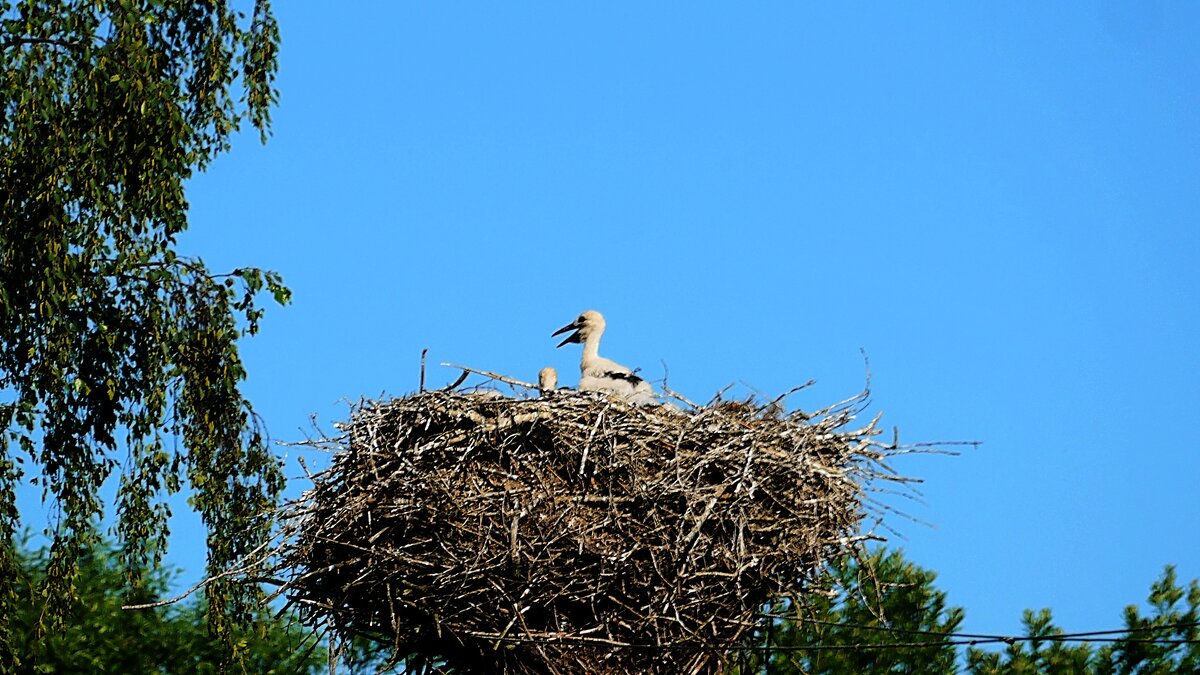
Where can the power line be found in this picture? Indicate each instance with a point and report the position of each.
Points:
(947, 640)
(1063, 637)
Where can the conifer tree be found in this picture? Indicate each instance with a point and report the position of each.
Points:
(885, 601)
(888, 617)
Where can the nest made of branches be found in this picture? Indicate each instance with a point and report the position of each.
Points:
(573, 532)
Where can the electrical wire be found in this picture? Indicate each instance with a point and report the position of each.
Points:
(1066, 637)
(947, 640)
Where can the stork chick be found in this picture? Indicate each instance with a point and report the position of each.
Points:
(597, 373)
(547, 380)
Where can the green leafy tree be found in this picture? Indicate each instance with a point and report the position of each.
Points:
(111, 343)
(100, 637)
(884, 601)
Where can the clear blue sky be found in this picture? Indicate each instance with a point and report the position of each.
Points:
(997, 202)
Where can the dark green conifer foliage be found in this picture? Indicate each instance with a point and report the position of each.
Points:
(1173, 646)
(1040, 656)
(118, 355)
(888, 592)
(841, 634)
(1175, 616)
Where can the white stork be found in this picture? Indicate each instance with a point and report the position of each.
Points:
(597, 373)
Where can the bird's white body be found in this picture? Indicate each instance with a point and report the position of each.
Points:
(597, 373)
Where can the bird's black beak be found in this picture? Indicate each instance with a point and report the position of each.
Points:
(573, 337)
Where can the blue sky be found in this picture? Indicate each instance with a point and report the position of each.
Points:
(997, 202)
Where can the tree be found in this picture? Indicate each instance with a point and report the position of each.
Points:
(1175, 623)
(103, 638)
(889, 618)
(1168, 641)
(885, 601)
(111, 343)
(1039, 655)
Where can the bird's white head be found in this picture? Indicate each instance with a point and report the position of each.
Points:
(588, 324)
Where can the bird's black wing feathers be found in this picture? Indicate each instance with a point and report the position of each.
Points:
(618, 375)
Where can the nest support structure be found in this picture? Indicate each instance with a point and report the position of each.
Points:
(572, 533)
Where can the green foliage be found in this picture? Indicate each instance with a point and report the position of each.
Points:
(112, 344)
(840, 634)
(1166, 642)
(1041, 655)
(102, 638)
(1176, 616)
(844, 632)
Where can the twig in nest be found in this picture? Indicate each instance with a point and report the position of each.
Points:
(424, 352)
(494, 376)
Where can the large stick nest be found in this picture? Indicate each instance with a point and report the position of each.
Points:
(571, 532)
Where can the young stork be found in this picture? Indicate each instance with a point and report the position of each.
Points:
(597, 373)
(547, 380)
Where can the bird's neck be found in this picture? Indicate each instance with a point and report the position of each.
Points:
(591, 347)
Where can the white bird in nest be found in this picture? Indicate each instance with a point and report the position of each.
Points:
(597, 373)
